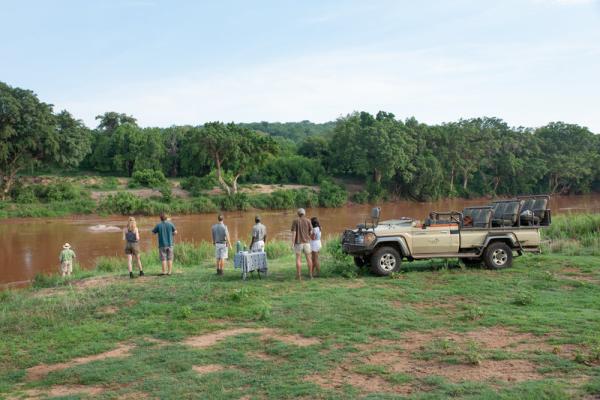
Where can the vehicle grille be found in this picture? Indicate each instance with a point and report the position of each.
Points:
(349, 237)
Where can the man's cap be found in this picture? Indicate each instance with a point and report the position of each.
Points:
(66, 246)
(257, 218)
(301, 211)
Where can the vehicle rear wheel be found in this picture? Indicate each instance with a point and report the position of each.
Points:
(385, 260)
(472, 262)
(360, 261)
(498, 256)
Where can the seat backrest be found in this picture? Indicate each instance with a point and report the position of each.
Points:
(540, 206)
(468, 212)
(482, 218)
(511, 211)
(498, 210)
(528, 205)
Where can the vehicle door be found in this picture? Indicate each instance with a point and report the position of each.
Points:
(435, 239)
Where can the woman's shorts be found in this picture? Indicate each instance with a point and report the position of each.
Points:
(315, 246)
(132, 248)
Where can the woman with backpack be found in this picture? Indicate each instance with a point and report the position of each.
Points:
(131, 235)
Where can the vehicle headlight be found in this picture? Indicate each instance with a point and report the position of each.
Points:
(369, 238)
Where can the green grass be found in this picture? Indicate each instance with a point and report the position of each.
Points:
(573, 234)
(555, 298)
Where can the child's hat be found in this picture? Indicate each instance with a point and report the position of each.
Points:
(66, 246)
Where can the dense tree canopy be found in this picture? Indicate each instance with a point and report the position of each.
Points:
(407, 158)
(30, 135)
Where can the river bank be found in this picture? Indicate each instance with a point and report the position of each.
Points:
(436, 330)
(29, 246)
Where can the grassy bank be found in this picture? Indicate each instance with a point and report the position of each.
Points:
(434, 331)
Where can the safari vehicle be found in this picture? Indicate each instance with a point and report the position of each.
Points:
(491, 235)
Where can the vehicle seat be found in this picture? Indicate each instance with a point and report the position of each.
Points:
(497, 213)
(507, 213)
(482, 218)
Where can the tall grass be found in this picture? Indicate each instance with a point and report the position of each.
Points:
(573, 234)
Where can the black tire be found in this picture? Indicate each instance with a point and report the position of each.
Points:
(472, 262)
(360, 261)
(498, 256)
(385, 260)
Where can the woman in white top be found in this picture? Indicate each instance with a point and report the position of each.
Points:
(315, 244)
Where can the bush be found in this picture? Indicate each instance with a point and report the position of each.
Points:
(277, 249)
(291, 169)
(109, 264)
(166, 193)
(238, 201)
(123, 203)
(523, 298)
(26, 195)
(148, 178)
(332, 195)
(55, 192)
(203, 205)
(337, 262)
(196, 186)
(361, 197)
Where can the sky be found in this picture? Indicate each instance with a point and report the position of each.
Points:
(166, 63)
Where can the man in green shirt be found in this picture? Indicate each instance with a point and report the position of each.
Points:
(165, 230)
(66, 260)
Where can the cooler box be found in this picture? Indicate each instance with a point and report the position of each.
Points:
(250, 262)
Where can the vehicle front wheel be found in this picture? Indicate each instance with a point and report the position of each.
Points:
(498, 256)
(385, 260)
(360, 261)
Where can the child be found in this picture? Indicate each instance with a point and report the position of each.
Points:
(66, 260)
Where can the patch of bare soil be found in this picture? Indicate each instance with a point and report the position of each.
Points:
(142, 193)
(39, 371)
(207, 369)
(262, 356)
(108, 310)
(61, 391)
(344, 375)
(400, 356)
(262, 189)
(210, 339)
(134, 396)
(487, 338)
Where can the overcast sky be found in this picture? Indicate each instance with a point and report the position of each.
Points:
(187, 62)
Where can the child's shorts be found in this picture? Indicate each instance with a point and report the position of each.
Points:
(66, 267)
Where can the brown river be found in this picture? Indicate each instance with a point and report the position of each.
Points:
(31, 245)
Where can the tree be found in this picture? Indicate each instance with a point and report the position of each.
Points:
(110, 121)
(236, 150)
(371, 146)
(136, 148)
(571, 155)
(75, 137)
(29, 135)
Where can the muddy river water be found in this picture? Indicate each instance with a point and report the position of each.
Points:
(31, 245)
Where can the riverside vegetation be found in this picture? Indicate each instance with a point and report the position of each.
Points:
(383, 156)
(436, 330)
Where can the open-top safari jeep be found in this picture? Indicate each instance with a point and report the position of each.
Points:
(490, 234)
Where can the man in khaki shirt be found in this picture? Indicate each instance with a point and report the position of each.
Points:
(301, 231)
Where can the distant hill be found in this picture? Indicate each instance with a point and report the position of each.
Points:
(295, 131)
